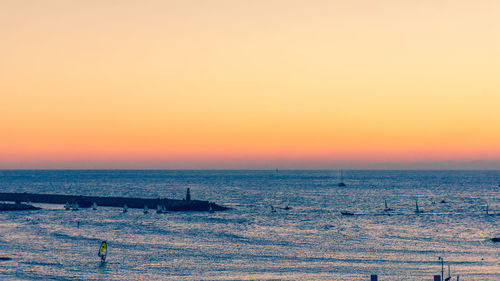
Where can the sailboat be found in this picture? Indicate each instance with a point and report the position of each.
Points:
(146, 209)
(417, 210)
(125, 208)
(387, 209)
(94, 206)
(158, 209)
(67, 206)
(341, 183)
(75, 206)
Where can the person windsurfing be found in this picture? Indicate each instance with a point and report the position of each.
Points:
(103, 250)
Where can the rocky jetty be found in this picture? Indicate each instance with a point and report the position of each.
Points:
(16, 207)
(139, 203)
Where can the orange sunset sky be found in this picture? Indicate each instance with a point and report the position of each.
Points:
(250, 84)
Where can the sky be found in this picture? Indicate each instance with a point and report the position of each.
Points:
(250, 84)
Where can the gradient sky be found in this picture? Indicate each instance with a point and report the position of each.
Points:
(250, 84)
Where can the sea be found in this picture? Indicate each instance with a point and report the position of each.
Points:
(309, 240)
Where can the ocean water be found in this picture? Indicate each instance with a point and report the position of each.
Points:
(311, 241)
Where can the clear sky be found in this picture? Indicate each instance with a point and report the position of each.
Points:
(250, 84)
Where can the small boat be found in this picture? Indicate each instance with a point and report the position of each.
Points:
(67, 206)
(146, 209)
(160, 209)
(210, 210)
(75, 206)
(341, 183)
(387, 209)
(417, 210)
(272, 209)
(346, 213)
(125, 208)
(94, 206)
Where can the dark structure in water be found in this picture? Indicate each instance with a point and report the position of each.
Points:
(17, 207)
(138, 203)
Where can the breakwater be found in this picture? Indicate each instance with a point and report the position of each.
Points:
(87, 201)
(17, 207)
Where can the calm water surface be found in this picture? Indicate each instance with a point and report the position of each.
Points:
(311, 241)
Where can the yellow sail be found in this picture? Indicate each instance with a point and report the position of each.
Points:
(103, 250)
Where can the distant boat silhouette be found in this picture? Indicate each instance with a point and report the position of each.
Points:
(67, 206)
(487, 209)
(161, 209)
(387, 209)
(346, 213)
(341, 183)
(146, 210)
(417, 210)
(125, 208)
(94, 206)
(75, 206)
